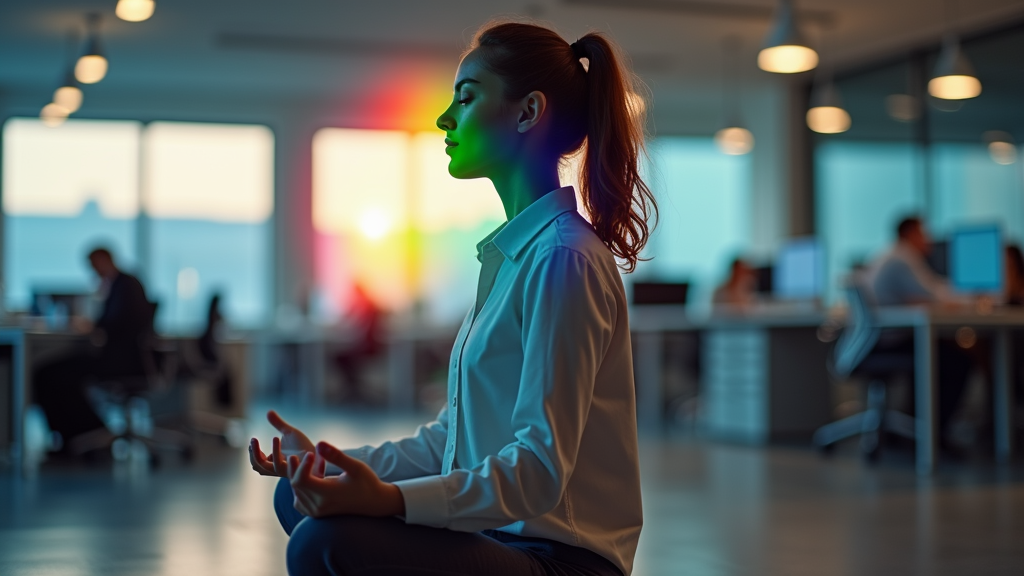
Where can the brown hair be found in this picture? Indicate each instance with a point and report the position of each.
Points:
(596, 106)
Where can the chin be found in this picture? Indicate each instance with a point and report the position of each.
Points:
(461, 173)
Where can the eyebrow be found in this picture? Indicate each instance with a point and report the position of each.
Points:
(465, 81)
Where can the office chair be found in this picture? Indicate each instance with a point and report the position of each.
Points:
(857, 354)
(196, 373)
(128, 397)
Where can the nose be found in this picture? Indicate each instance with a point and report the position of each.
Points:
(446, 121)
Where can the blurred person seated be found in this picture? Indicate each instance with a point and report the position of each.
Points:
(1014, 272)
(739, 291)
(115, 351)
(365, 319)
(901, 277)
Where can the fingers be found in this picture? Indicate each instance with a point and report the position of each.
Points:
(280, 466)
(299, 471)
(277, 422)
(258, 460)
(350, 465)
(319, 466)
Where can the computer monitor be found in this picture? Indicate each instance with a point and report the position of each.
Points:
(660, 292)
(799, 271)
(45, 302)
(976, 259)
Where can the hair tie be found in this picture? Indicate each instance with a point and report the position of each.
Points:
(577, 50)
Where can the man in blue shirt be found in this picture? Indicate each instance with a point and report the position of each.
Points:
(902, 277)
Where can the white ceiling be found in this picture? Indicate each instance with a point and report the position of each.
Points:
(353, 51)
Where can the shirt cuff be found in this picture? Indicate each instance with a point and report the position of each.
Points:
(426, 501)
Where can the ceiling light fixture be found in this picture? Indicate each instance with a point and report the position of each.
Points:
(903, 107)
(785, 51)
(954, 76)
(135, 10)
(1001, 147)
(734, 139)
(53, 115)
(92, 64)
(827, 115)
(68, 95)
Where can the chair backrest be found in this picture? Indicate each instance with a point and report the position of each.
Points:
(860, 334)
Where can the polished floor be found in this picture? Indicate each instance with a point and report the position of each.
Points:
(711, 510)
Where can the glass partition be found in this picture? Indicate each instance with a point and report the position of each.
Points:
(955, 163)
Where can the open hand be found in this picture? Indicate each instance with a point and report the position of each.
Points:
(291, 443)
(357, 490)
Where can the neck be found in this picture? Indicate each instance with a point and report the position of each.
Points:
(523, 185)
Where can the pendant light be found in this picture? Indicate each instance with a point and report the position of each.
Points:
(734, 139)
(53, 115)
(1001, 147)
(92, 64)
(68, 95)
(826, 115)
(954, 76)
(135, 10)
(785, 51)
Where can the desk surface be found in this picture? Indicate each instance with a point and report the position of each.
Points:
(660, 318)
(909, 316)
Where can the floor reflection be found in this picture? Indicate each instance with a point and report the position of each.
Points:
(710, 510)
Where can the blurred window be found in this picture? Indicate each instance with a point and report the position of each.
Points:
(863, 190)
(206, 190)
(972, 187)
(66, 190)
(389, 217)
(208, 197)
(704, 202)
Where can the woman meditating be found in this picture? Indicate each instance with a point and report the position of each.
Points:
(532, 465)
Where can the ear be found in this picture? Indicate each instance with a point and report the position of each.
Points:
(532, 108)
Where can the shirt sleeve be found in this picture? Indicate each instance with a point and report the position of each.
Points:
(568, 321)
(412, 457)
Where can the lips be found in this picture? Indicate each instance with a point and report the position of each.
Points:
(450, 142)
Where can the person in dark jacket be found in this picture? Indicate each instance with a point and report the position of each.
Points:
(115, 351)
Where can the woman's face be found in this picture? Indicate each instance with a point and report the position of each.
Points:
(481, 127)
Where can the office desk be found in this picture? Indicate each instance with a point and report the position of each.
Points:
(927, 325)
(12, 396)
(20, 348)
(764, 372)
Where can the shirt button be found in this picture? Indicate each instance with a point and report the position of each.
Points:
(455, 402)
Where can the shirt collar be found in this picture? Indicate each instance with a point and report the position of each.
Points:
(511, 237)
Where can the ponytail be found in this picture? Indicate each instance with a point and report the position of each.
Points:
(596, 106)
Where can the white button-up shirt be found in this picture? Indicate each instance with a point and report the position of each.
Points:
(538, 436)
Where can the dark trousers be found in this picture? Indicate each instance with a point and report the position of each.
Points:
(346, 545)
(59, 389)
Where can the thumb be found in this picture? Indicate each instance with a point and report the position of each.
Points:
(277, 422)
(347, 463)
